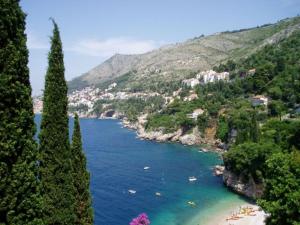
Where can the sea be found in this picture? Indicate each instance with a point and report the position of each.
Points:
(116, 160)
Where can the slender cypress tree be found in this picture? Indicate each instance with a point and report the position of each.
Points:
(20, 202)
(81, 178)
(55, 163)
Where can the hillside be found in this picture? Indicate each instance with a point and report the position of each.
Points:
(178, 61)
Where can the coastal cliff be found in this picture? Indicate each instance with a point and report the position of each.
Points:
(240, 185)
(194, 137)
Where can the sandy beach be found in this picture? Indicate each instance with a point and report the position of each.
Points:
(246, 214)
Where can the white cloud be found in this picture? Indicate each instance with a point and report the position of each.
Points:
(95, 47)
(34, 42)
(111, 46)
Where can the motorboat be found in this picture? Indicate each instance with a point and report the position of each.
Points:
(191, 179)
(191, 203)
(132, 191)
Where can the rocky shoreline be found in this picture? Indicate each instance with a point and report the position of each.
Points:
(193, 138)
(238, 184)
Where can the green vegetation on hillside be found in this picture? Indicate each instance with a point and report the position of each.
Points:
(20, 200)
(273, 159)
(275, 163)
(131, 107)
(263, 140)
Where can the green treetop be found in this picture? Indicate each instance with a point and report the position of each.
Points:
(81, 178)
(55, 164)
(20, 202)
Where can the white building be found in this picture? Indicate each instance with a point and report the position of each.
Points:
(194, 115)
(259, 100)
(191, 82)
(210, 76)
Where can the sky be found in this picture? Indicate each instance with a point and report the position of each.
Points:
(94, 30)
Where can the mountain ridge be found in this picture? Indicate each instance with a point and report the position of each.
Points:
(178, 61)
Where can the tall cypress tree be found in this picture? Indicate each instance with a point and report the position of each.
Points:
(81, 178)
(20, 201)
(55, 163)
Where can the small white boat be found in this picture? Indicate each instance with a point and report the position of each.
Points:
(146, 168)
(204, 150)
(191, 179)
(191, 203)
(157, 194)
(131, 191)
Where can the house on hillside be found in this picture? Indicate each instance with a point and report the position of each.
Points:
(191, 82)
(210, 76)
(190, 97)
(194, 115)
(259, 100)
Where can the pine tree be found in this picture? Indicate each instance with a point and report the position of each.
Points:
(20, 202)
(55, 163)
(81, 179)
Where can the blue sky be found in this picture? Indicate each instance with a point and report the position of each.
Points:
(94, 30)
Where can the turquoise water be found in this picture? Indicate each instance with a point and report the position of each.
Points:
(116, 161)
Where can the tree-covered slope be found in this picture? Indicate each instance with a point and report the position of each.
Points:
(262, 140)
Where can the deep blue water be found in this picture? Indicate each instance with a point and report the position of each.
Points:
(116, 161)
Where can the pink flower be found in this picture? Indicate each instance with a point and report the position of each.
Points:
(142, 219)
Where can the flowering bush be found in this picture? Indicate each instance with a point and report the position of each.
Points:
(142, 219)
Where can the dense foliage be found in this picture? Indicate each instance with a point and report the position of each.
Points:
(131, 107)
(172, 118)
(274, 162)
(81, 179)
(55, 162)
(263, 139)
(282, 193)
(271, 156)
(20, 201)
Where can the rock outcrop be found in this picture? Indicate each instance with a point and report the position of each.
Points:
(193, 138)
(219, 170)
(111, 114)
(238, 184)
(159, 135)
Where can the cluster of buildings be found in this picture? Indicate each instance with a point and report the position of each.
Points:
(210, 76)
(83, 101)
(87, 96)
(205, 77)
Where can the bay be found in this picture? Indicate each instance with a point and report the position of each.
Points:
(116, 161)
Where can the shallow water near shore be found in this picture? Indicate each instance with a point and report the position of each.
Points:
(116, 161)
